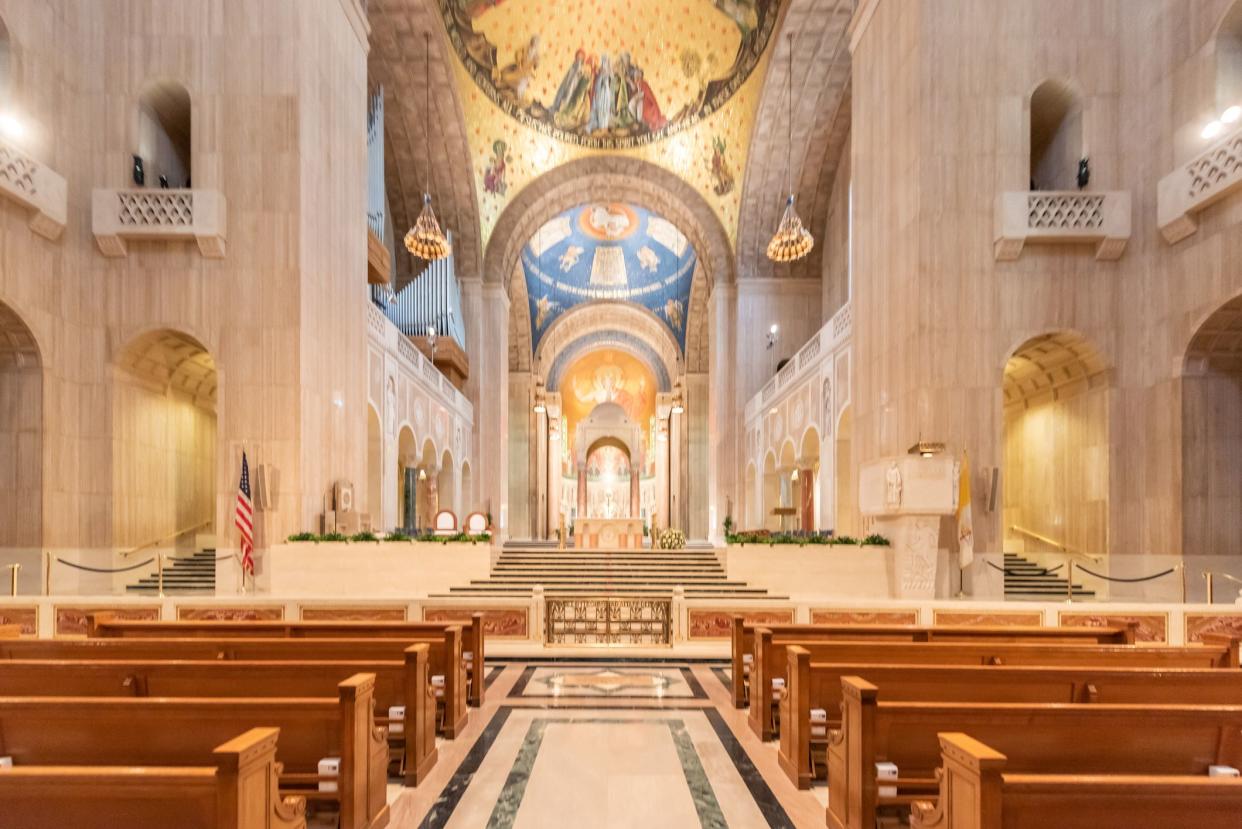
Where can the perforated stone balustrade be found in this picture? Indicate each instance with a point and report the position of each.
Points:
(1062, 216)
(121, 216)
(36, 187)
(1208, 177)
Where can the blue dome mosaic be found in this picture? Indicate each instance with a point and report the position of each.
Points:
(608, 251)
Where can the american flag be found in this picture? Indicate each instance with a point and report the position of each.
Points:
(245, 518)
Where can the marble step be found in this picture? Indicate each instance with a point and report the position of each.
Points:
(479, 590)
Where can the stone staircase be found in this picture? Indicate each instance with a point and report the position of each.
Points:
(1024, 579)
(573, 572)
(191, 574)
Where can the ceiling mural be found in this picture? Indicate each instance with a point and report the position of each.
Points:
(609, 376)
(608, 251)
(544, 82)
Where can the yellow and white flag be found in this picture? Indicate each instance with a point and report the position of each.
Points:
(965, 524)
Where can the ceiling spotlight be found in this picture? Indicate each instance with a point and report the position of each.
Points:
(1231, 115)
(793, 476)
(11, 127)
(773, 411)
(540, 408)
(678, 408)
(1212, 129)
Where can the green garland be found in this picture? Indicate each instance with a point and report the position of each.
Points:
(772, 539)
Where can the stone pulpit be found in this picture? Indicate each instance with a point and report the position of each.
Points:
(909, 497)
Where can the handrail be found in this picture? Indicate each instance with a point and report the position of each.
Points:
(177, 534)
(1054, 543)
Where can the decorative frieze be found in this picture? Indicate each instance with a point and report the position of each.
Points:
(36, 187)
(1062, 216)
(1208, 177)
(120, 216)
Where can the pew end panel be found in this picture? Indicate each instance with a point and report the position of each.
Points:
(364, 756)
(739, 647)
(420, 751)
(795, 707)
(476, 668)
(976, 792)
(761, 709)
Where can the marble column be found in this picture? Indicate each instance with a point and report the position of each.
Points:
(555, 470)
(582, 489)
(636, 467)
(520, 472)
(806, 491)
(539, 527)
(486, 311)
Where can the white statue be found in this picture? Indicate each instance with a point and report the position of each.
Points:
(892, 492)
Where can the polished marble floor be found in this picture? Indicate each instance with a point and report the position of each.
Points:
(607, 743)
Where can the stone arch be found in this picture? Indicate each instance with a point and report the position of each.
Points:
(165, 456)
(164, 132)
(1056, 115)
(446, 483)
(467, 498)
(597, 325)
(611, 178)
(1211, 476)
(1055, 445)
(21, 439)
(407, 476)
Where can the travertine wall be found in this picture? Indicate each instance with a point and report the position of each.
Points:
(278, 91)
(940, 126)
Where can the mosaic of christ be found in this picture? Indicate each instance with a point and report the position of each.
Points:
(607, 74)
(609, 376)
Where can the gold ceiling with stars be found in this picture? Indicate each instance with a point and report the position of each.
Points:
(544, 82)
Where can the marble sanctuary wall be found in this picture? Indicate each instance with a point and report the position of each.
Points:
(940, 310)
(263, 272)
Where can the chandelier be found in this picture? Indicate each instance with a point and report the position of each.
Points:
(425, 239)
(792, 241)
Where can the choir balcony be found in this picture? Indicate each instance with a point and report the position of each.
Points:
(1062, 216)
(379, 260)
(35, 186)
(1208, 177)
(139, 214)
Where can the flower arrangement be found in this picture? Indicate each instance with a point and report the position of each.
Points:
(670, 539)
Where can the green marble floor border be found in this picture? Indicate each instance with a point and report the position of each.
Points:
(510, 800)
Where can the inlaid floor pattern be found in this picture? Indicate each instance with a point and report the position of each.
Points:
(572, 572)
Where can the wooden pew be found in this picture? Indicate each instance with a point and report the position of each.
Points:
(770, 660)
(237, 791)
(105, 624)
(169, 731)
(10, 631)
(443, 656)
(403, 683)
(977, 792)
(1070, 738)
(742, 638)
(813, 685)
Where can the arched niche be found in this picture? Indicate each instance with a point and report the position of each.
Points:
(407, 479)
(426, 494)
(446, 483)
(609, 468)
(165, 133)
(1055, 477)
(164, 448)
(467, 494)
(1212, 435)
(771, 493)
(21, 441)
(806, 493)
(1056, 135)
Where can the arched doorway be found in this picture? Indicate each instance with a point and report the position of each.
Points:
(1056, 135)
(1212, 436)
(21, 442)
(847, 520)
(1055, 479)
(407, 479)
(427, 500)
(806, 487)
(164, 440)
(446, 482)
(375, 466)
(466, 501)
(165, 134)
(608, 473)
(771, 493)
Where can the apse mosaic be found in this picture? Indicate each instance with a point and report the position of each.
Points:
(612, 251)
(604, 74)
(609, 376)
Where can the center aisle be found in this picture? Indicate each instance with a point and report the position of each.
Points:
(607, 743)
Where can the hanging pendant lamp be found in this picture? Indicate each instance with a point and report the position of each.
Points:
(792, 240)
(425, 239)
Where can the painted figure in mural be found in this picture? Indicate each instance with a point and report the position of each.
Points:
(622, 117)
(570, 258)
(544, 307)
(674, 312)
(569, 82)
(648, 259)
(602, 97)
(741, 12)
(721, 174)
(572, 106)
(515, 77)
(643, 104)
(826, 421)
(494, 175)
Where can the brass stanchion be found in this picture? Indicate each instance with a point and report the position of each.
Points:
(1069, 583)
(1207, 574)
(47, 573)
(1182, 567)
(13, 570)
(159, 566)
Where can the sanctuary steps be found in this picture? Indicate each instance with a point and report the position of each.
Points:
(190, 574)
(1024, 579)
(520, 567)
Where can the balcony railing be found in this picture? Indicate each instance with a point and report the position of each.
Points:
(121, 216)
(1062, 216)
(36, 187)
(820, 345)
(1208, 177)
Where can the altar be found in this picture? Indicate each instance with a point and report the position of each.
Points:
(608, 533)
